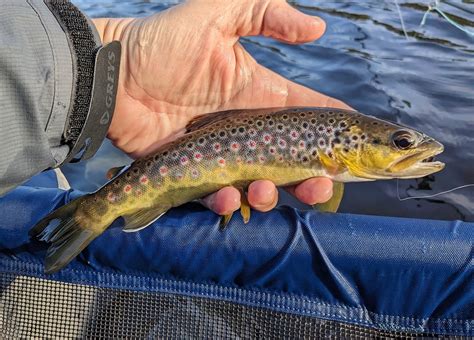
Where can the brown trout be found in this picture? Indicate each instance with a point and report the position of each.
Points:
(235, 148)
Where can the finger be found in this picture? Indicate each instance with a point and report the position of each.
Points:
(312, 191)
(224, 201)
(277, 19)
(262, 195)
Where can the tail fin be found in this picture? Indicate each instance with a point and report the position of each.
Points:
(68, 238)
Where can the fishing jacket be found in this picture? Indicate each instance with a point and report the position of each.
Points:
(57, 89)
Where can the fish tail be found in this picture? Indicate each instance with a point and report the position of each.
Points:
(68, 237)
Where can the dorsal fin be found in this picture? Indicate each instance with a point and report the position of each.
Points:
(209, 118)
(203, 120)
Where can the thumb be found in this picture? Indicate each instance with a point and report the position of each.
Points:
(277, 19)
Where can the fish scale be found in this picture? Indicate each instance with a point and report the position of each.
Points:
(235, 148)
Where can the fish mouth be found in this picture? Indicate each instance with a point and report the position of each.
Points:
(420, 163)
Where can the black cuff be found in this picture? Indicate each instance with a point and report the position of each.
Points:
(95, 72)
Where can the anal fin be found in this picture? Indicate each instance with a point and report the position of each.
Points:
(142, 218)
(333, 204)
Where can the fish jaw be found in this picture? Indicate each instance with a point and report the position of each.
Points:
(421, 163)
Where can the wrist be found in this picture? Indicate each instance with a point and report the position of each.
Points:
(111, 29)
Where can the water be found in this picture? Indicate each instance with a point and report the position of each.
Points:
(425, 81)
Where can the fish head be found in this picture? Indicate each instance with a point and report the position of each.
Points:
(385, 150)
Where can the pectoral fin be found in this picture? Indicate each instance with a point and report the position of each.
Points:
(142, 219)
(333, 204)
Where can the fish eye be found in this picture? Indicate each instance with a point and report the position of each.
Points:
(402, 139)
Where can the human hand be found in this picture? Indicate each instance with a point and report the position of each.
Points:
(187, 61)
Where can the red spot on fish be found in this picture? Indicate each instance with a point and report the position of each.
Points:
(198, 156)
(252, 144)
(239, 159)
(179, 176)
(184, 160)
(261, 159)
(194, 173)
(267, 138)
(144, 179)
(138, 192)
(280, 159)
(302, 144)
(294, 134)
(217, 147)
(221, 161)
(293, 151)
(111, 197)
(249, 161)
(235, 146)
(163, 171)
(272, 150)
(127, 189)
(282, 143)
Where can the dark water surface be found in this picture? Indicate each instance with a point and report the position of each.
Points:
(425, 81)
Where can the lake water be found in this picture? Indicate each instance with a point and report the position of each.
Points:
(425, 80)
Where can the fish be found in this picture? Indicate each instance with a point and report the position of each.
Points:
(284, 145)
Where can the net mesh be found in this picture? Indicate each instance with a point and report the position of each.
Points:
(38, 308)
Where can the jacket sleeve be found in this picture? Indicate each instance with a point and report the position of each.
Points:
(38, 89)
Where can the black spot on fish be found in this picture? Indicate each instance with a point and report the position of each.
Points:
(341, 115)
(313, 121)
(305, 125)
(355, 137)
(267, 117)
(302, 114)
(337, 133)
(357, 121)
(347, 141)
(294, 120)
(376, 141)
(128, 175)
(241, 129)
(233, 131)
(375, 123)
(336, 140)
(149, 164)
(363, 137)
(346, 150)
(343, 124)
(270, 123)
(166, 153)
(156, 157)
(284, 117)
(222, 134)
(213, 135)
(315, 153)
(259, 123)
(331, 120)
(305, 159)
(280, 127)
